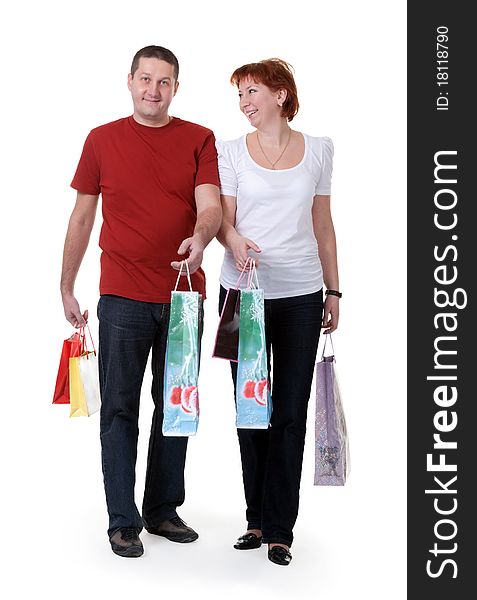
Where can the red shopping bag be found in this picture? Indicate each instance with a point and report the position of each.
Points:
(73, 346)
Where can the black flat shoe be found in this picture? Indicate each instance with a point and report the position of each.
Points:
(248, 541)
(279, 555)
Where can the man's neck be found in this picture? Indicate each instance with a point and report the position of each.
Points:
(158, 122)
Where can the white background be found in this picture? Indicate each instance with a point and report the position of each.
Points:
(64, 69)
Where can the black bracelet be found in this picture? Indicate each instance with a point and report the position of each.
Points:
(333, 293)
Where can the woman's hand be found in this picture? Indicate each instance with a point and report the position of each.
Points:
(240, 246)
(331, 313)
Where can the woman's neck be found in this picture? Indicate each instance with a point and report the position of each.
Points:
(274, 134)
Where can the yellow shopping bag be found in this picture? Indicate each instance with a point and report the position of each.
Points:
(84, 384)
(79, 408)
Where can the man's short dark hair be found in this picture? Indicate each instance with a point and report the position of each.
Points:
(156, 52)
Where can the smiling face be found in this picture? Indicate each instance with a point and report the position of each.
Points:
(259, 103)
(152, 89)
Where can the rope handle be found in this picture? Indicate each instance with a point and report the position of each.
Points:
(252, 272)
(83, 344)
(242, 273)
(328, 335)
(188, 275)
(91, 338)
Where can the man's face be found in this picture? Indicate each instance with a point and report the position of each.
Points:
(152, 88)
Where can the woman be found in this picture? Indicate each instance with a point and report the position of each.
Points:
(275, 190)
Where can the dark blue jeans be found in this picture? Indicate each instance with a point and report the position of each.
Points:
(272, 458)
(128, 329)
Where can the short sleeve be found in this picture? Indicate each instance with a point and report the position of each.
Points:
(323, 187)
(227, 173)
(207, 171)
(87, 176)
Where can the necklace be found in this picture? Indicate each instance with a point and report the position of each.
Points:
(281, 154)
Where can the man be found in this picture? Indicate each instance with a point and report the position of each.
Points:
(158, 179)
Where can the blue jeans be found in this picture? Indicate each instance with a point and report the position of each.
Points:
(128, 329)
(272, 458)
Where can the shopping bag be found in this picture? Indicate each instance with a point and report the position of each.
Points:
(181, 371)
(253, 398)
(84, 382)
(226, 341)
(331, 437)
(227, 338)
(73, 346)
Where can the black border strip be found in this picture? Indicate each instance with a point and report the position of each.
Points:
(442, 243)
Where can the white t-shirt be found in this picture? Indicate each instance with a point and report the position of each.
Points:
(274, 211)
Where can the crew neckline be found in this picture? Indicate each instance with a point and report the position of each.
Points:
(276, 170)
(154, 130)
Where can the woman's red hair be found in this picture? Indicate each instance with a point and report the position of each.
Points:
(276, 74)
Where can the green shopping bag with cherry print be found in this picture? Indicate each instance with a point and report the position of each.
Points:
(253, 397)
(181, 372)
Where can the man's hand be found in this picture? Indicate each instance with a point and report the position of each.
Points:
(73, 312)
(195, 247)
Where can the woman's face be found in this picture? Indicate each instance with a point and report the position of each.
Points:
(259, 103)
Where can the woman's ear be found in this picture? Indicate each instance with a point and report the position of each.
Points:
(281, 97)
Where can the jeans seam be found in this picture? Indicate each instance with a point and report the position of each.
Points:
(147, 489)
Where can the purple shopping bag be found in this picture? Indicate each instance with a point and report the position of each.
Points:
(331, 437)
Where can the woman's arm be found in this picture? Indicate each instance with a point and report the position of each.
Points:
(228, 236)
(325, 236)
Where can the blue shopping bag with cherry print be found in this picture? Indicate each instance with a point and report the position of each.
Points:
(181, 372)
(253, 397)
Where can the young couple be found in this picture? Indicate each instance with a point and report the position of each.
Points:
(167, 190)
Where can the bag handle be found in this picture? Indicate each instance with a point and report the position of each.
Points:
(328, 335)
(188, 275)
(252, 272)
(242, 272)
(84, 345)
(91, 338)
(82, 339)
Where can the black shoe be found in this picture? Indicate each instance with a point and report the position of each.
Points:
(279, 555)
(248, 541)
(174, 530)
(126, 542)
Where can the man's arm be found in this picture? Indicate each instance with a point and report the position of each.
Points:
(77, 238)
(209, 218)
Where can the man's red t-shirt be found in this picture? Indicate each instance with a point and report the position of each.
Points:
(146, 177)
